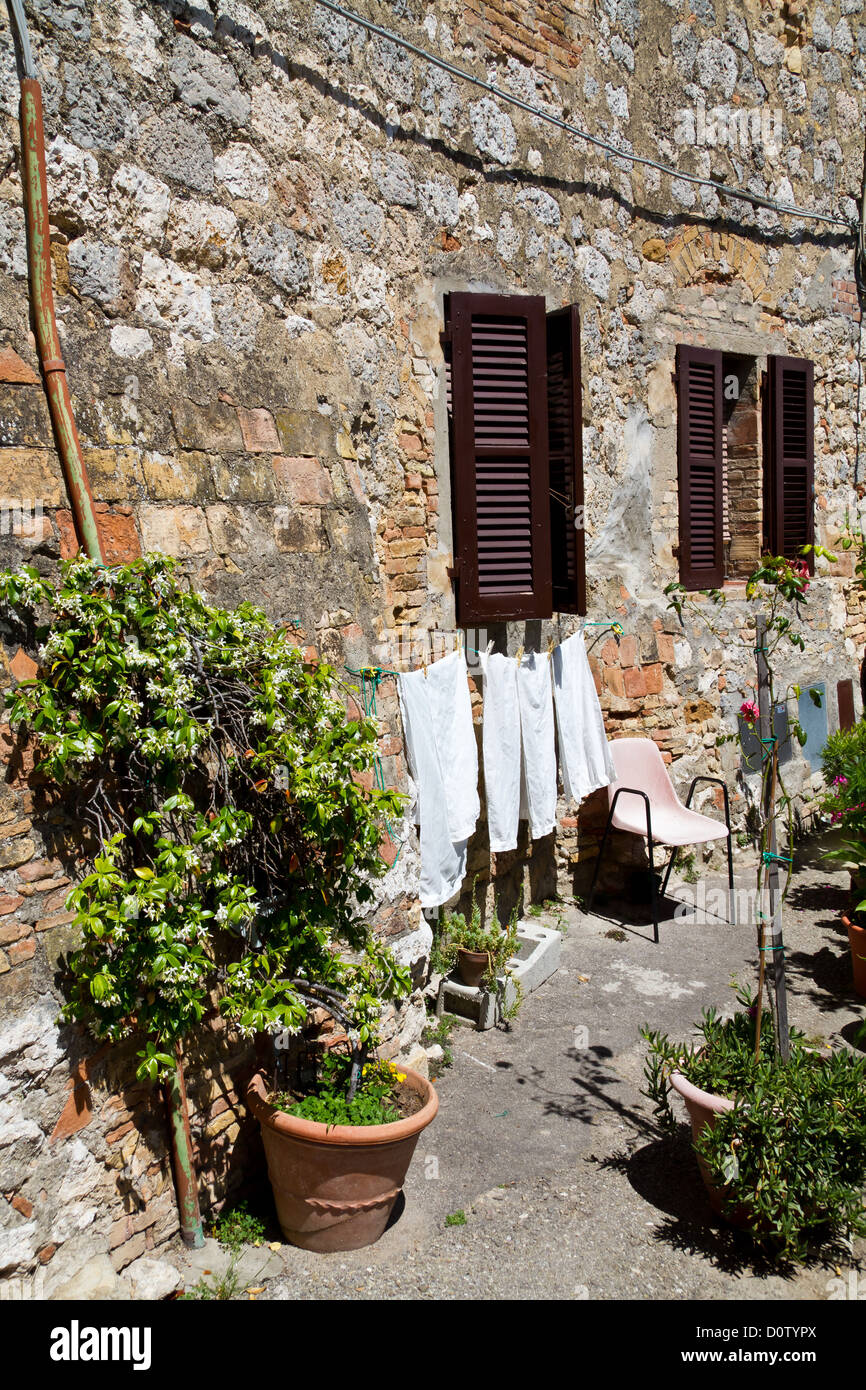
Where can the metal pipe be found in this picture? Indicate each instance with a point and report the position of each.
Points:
(181, 1145)
(42, 301)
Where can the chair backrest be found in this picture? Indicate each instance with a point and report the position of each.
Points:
(639, 764)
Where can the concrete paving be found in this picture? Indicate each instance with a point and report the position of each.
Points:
(546, 1145)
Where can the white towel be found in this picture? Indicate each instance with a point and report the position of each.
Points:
(443, 760)
(584, 755)
(501, 744)
(535, 696)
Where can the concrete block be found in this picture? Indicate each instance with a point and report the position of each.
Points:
(536, 959)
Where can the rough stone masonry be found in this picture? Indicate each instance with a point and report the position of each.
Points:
(255, 215)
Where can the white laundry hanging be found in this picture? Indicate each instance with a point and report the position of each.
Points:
(535, 697)
(443, 760)
(584, 755)
(501, 748)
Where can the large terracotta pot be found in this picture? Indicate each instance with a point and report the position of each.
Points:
(703, 1107)
(335, 1187)
(857, 942)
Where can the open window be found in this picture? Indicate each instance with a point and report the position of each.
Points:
(735, 505)
(514, 412)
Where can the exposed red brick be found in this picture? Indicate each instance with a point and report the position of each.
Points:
(635, 684)
(39, 868)
(21, 951)
(75, 1115)
(46, 1253)
(13, 931)
(303, 480)
(21, 1204)
(115, 1135)
(414, 481)
(665, 645)
(60, 919)
(14, 369)
(117, 534)
(22, 666)
(8, 904)
(653, 679)
(613, 679)
(259, 431)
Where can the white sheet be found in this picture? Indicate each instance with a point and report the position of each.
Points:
(535, 697)
(443, 761)
(584, 756)
(501, 748)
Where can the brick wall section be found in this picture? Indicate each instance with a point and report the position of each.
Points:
(544, 34)
(845, 298)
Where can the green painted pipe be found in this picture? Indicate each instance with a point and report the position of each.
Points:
(185, 1183)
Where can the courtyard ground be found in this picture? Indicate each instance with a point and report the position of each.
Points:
(545, 1144)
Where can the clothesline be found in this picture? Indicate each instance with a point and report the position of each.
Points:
(380, 673)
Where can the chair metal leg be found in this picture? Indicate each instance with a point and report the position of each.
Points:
(671, 863)
(732, 896)
(629, 791)
(653, 893)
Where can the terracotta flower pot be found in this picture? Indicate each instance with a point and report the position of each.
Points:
(703, 1107)
(857, 942)
(335, 1186)
(471, 966)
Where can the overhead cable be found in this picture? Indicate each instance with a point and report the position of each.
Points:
(756, 199)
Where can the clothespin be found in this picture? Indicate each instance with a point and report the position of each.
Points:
(550, 646)
(519, 656)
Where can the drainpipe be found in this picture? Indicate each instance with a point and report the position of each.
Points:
(78, 487)
(42, 297)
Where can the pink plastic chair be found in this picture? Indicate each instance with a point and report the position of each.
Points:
(643, 801)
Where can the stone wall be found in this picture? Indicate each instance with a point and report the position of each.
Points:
(256, 213)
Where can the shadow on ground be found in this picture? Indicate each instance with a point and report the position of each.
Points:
(665, 1174)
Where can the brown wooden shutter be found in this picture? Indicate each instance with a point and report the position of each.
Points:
(565, 435)
(845, 697)
(789, 455)
(699, 437)
(500, 489)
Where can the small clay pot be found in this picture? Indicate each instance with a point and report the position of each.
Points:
(857, 942)
(335, 1185)
(472, 966)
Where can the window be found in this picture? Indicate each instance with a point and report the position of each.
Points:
(515, 426)
(730, 509)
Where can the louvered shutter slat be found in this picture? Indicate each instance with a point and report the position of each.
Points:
(789, 449)
(499, 457)
(700, 431)
(565, 436)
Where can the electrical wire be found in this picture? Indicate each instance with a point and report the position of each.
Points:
(745, 195)
(23, 40)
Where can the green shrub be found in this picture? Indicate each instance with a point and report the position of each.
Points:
(791, 1154)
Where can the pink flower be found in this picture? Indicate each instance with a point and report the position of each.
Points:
(750, 712)
(840, 781)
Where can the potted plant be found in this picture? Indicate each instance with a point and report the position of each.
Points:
(338, 1157)
(480, 955)
(782, 1149)
(225, 809)
(844, 764)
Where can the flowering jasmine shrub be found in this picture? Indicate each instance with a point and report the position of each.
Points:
(226, 810)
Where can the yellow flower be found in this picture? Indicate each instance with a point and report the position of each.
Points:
(401, 1076)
